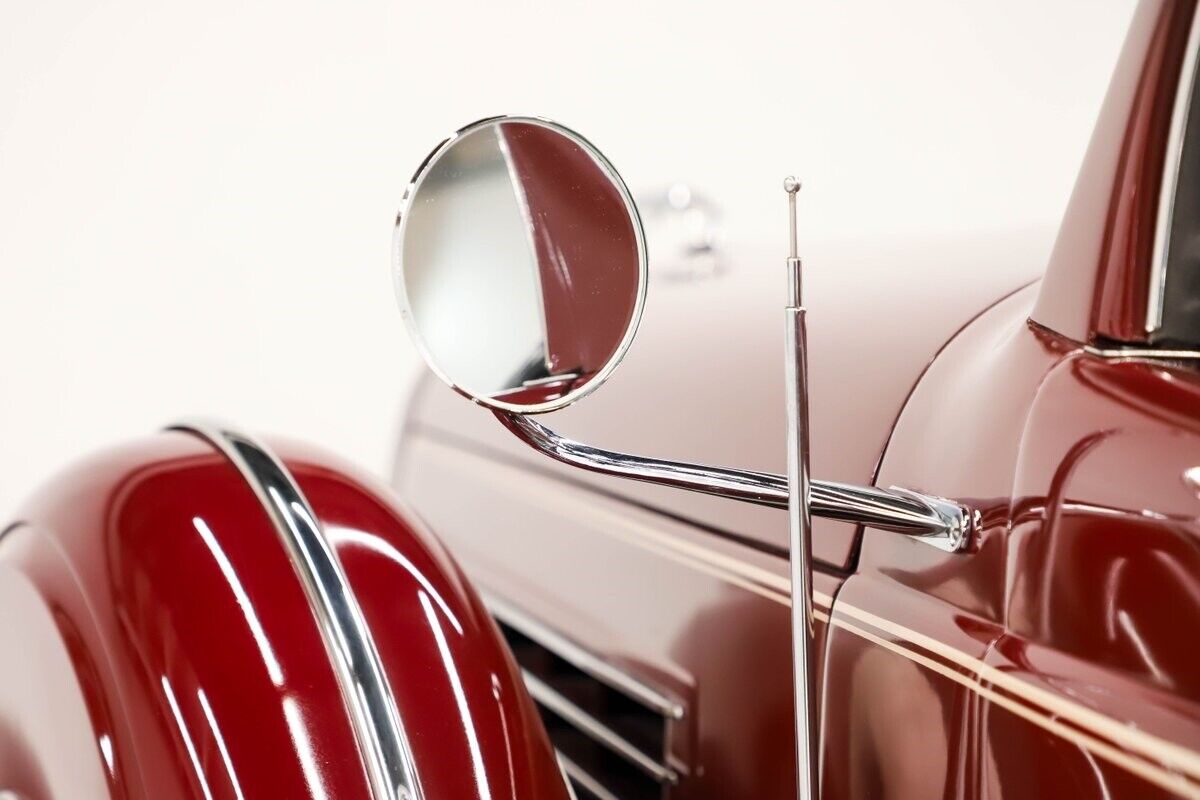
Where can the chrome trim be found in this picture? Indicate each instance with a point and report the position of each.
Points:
(804, 661)
(751, 487)
(936, 521)
(1141, 353)
(687, 233)
(580, 776)
(596, 730)
(958, 522)
(1170, 181)
(639, 234)
(374, 717)
(580, 658)
(567, 782)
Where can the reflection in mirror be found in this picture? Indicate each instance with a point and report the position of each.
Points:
(520, 264)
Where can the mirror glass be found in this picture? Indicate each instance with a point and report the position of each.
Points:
(520, 264)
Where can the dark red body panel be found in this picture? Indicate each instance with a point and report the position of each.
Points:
(1060, 651)
(473, 729)
(168, 650)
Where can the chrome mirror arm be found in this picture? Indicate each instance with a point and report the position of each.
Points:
(760, 488)
(933, 520)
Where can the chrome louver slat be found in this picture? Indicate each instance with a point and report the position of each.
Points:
(547, 698)
(567, 650)
(611, 730)
(581, 780)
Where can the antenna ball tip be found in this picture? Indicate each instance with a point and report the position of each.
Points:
(791, 184)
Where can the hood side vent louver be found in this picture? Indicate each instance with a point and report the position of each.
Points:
(610, 729)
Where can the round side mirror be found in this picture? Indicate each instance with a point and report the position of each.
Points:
(520, 264)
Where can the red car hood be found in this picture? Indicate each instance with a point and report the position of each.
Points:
(703, 381)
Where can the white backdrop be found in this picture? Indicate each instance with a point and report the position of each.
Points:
(196, 198)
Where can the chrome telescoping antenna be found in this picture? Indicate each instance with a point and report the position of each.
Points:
(800, 520)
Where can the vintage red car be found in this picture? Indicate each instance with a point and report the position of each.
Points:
(980, 472)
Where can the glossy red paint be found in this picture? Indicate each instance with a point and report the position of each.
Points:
(908, 600)
(169, 651)
(473, 729)
(1096, 284)
(1104, 569)
(1055, 647)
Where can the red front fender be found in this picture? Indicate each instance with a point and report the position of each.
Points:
(158, 642)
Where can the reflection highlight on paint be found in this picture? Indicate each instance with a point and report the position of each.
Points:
(460, 697)
(243, 600)
(106, 750)
(187, 737)
(220, 740)
(304, 748)
(377, 544)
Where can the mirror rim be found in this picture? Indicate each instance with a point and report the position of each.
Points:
(401, 290)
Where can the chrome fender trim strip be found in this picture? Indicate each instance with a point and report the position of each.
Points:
(374, 717)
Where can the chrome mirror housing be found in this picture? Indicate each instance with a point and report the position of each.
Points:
(520, 264)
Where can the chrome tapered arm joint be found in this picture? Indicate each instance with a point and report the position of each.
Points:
(957, 523)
